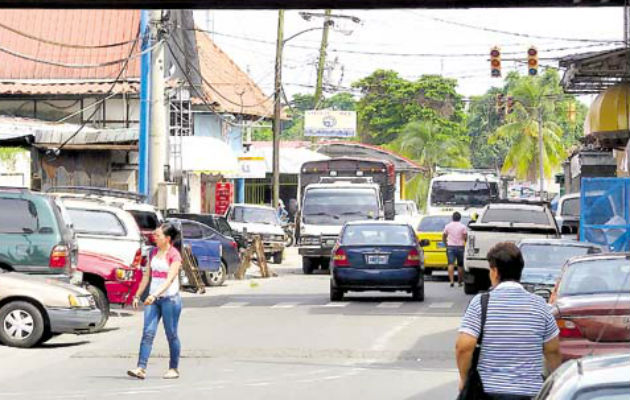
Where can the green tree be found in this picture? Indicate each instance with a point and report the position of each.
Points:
(483, 121)
(426, 143)
(389, 102)
(534, 97)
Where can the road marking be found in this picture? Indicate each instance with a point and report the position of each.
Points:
(285, 305)
(446, 304)
(335, 305)
(381, 343)
(390, 304)
(234, 304)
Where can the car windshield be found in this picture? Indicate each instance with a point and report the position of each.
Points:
(597, 276)
(462, 193)
(96, 222)
(571, 207)
(551, 256)
(516, 216)
(403, 209)
(336, 206)
(436, 223)
(145, 220)
(378, 235)
(255, 215)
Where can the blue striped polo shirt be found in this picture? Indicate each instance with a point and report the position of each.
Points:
(518, 323)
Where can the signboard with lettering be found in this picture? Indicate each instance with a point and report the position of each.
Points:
(330, 123)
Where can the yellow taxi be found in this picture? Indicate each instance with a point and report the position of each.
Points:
(431, 227)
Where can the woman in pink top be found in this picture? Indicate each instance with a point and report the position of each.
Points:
(454, 237)
(163, 302)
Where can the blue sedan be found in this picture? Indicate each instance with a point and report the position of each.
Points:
(377, 255)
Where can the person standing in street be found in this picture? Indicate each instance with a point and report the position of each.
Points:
(454, 238)
(163, 302)
(518, 336)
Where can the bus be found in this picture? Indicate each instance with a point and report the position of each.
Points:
(463, 190)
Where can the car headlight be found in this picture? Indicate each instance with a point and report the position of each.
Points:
(80, 301)
(310, 240)
(123, 274)
(279, 238)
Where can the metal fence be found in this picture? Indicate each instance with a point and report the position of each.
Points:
(605, 212)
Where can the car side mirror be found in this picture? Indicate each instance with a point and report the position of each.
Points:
(424, 242)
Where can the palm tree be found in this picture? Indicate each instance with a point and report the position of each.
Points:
(532, 98)
(426, 143)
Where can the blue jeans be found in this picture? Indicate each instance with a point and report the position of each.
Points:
(170, 309)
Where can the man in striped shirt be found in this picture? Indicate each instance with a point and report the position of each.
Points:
(519, 334)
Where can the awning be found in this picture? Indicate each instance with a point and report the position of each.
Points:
(291, 159)
(206, 155)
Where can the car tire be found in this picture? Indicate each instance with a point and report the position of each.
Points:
(428, 271)
(417, 293)
(216, 278)
(102, 303)
(470, 288)
(336, 294)
(307, 265)
(28, 314)
(277, 257)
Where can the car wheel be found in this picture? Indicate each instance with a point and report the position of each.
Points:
(215, 278)
(336, 294)
(22, 324)
(417, 293)
(277, 257)
(428, 271)
(307, 265)
(102, 303)
(470, 288)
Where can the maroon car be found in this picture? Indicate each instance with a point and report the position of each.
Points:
(591, 304)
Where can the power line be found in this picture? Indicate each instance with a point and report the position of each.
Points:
(526, 35)
(72, 46)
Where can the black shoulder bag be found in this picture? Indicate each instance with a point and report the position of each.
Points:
(473, 387)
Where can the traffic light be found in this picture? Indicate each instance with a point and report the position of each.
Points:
(532, 61)
(500, 105)
(509, 105)
(495, 62)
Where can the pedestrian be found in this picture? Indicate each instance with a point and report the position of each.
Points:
(281, 211)
(454, 238)
(518, 335)
(163, 302)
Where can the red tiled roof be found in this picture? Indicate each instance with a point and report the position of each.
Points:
(232, 89)
(76, 27)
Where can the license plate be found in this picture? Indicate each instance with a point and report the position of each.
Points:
(378, 259)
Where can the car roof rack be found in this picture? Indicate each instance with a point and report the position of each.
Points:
(98, 191)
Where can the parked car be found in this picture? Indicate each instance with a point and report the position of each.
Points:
(590, 378)
(33, 309)
(377, 255)
(431, 227)
(109, 280)
(259, 220)
(230, 258)
(207, 252)
(591, 304)
(215, 221)
(407, 212)
(505, 220)
(567, 213)
(146, 215)
(36, 236)
(544, 259)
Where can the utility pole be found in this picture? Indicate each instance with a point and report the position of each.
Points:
(322, 59)
(157, 137)
(541, 152)
(277, 109)
(145, 106)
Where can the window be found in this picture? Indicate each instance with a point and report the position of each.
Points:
(437, 223)
(571, 207)
(607, 393)
(324, 206)
(383, 235)
(191, 231)
(147, 221)
(517, 216)
(208, 232)
(224, 227)
(255, 215)
(596, 276)
(463, 192)
(548, 256)
(96, 222)
(18, 216)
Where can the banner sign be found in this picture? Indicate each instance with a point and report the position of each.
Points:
(251, 167)
(330, 123)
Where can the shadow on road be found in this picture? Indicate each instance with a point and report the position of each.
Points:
(62, 345)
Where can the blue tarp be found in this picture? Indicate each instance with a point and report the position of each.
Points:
(605, 212)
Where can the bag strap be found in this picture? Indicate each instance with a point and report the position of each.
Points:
(485, 298)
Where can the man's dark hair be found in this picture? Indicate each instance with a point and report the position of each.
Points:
(508, 260)
(457, 216)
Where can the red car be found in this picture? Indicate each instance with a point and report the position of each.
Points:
(109, 280)
(591, 304)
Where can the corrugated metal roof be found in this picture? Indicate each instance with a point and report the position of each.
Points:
(76, 27)
(70, 87)
(232, 89)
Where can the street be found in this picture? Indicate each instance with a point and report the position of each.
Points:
(276, 338)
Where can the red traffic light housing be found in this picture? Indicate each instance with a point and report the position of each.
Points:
(495, 62)
(532, 61)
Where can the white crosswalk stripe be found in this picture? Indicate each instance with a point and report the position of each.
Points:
(446, 304)
(390, 304)
(335, 305)
(235, 304)
(285, 305)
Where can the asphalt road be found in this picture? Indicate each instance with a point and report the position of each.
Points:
(276, 338)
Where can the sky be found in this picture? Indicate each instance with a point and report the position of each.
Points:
(249, 38)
